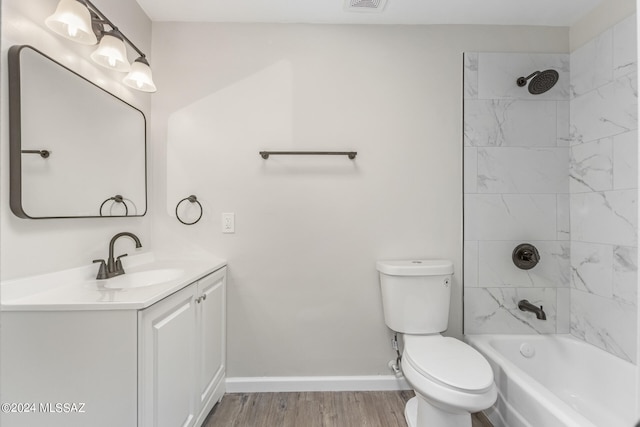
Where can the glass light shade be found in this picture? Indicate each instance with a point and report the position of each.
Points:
(111, 53)
(140, 77)
(72, 20)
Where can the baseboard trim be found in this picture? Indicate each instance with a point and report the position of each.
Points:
(291, 384)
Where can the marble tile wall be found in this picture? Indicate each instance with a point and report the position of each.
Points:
(603, 187)
(516, 157)
(558, 170)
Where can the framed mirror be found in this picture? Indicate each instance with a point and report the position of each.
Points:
(76, 150)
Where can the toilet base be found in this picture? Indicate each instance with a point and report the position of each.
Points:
(411, 412)
(420, 413)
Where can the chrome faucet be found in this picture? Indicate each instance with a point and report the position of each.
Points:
(113, 267)
(525, 305)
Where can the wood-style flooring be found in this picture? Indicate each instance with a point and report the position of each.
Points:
(315, 409)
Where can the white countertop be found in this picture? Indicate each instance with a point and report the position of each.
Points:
(77, 289)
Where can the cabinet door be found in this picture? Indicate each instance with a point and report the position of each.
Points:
(167, 356)
(211, 338)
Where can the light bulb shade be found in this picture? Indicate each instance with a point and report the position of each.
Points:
(140, 77)
(72, 20)
(111, 53)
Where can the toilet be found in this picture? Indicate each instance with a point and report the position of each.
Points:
(451, 379)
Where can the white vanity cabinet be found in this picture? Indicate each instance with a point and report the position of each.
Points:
(137, 357)
(181, 350)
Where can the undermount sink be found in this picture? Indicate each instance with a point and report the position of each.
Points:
(142, 278)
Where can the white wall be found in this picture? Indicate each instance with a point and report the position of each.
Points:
(605, 15)
(38, 246)
(303, 290)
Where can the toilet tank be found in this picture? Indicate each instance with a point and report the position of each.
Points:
(416, 295)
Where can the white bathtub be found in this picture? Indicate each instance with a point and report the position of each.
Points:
(566, 382)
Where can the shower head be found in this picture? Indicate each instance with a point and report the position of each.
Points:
(541, 82)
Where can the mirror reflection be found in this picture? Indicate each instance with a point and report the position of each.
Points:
(76, 149)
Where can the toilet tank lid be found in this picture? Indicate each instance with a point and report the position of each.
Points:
(418, 267)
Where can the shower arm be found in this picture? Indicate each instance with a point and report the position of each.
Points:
(522, 81)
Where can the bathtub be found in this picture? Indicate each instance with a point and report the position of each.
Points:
(557, 380)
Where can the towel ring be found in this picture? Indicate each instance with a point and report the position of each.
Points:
(116, 199)
(192, 199)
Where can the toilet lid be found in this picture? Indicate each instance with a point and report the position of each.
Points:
(448, 361)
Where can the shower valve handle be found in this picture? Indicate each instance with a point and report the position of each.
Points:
(525, 256)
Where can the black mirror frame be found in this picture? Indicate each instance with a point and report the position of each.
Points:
(15, 137)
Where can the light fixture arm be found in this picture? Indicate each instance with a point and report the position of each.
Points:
(102, 19)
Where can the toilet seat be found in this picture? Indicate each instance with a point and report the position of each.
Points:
(448, 362)
(448, 373)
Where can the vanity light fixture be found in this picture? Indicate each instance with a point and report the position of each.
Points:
(111, 52)
(140, 76)
(72, 20)
(82, 21)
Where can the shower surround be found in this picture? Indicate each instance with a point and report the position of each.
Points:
(603, 189)
(558, 170)
(516, 159)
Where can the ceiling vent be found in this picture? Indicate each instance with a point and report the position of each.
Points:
(364, 5)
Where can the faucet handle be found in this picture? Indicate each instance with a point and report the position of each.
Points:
(119, 263)
(102, 271)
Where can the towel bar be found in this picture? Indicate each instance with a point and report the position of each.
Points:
(350, 154)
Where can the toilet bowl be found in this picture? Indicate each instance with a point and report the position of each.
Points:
(450, 378)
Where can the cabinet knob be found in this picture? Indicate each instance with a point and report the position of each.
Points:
(198, 300)
(204, 297)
